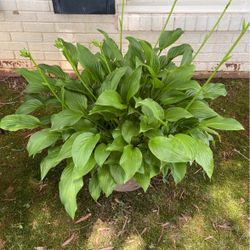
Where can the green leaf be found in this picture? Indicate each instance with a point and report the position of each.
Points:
(101, 154)
(106, 181)
(147, 124)
(83, 147)
(178, 148)
(55, 70)
(66, 148)
(222, 123)
(110, 98)
(129, 130)
(41, 140)
(113, 79)
(76, 102)
(143, 180)
(68, 190)
(90, 62)
(133, 83)
(204, 157)
(178, 171)
(84, 169)
(17, 122)
(214, 90)
(115, 51)
(69, 51)
(169, 97)
(117, 173)
(29, 106)
(65, 118)
(36, 83)
(184, 50)
(117, 145)
(169, 37)
(49, 162)
(175, 114)
(151, 109)
(201, 110)
(131, 161)
(94, 188)
(178, 75)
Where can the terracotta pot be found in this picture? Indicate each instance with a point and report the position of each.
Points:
(129, 186)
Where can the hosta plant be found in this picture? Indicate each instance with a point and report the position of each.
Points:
(124, 116)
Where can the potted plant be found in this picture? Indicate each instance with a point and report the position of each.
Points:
(124, 117)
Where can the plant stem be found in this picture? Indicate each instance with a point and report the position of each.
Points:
(166, 22)
(224, 59)
(45, 80)
(121, 24)
(212, 30)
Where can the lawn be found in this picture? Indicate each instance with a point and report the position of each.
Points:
(196, 214)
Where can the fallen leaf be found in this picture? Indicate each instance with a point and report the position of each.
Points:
(68, 241)
(9, 190)
(39, 248)
(107, 248)
(209, 237)
(83, 218)
(2, 244)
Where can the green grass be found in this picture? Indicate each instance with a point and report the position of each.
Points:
(196, 214)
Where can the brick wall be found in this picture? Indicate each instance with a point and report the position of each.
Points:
(33, 25)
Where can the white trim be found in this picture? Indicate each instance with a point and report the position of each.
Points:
(184, 6)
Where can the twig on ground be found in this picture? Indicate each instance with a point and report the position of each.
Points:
(238, 152)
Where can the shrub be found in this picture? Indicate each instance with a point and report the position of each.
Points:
(136, 115)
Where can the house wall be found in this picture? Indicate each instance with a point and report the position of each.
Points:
(32, 24)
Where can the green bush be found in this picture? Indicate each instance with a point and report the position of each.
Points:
(128, 116)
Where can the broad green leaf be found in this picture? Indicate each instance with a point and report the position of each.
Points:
(151, 109)
(222, 123)
(101, 154)
(65, 118)
(214, 90)
(143, 180)
(204, 157)
(41, 140)
(85, 169)
(49, 162)
(110, 98)
(184, 50)
(117, 145)
(178, 171)
(201, 110)
(133, 84)
(17, 122)
(66, 148)
(175, 114)
(178, 148)
(69, 51)
(94, 188)
(76, 102)
(131, 161)
(55, 70)
(178, 75)
(83, 147)
(115, 51)
(68, 190)
(108, 113)
(169, 97)
(36, 83)
(147, 124)
(117, 173)
(169, 37)
(90, 62)
(29, 106)
(113, 79)
(106, 181)
(129, 129)
(135, 48)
